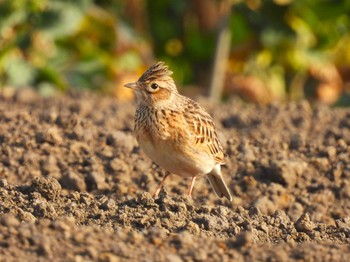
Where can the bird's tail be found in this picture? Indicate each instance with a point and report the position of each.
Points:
(218, 183)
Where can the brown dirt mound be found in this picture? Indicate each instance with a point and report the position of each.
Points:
(74, 185)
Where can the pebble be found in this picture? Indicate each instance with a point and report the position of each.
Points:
(3, 182)
(9, 220)
(244, 238)
(48, 187)
(304, 224)
(108, 204)
(73, 181)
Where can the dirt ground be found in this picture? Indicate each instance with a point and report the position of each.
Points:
(74, 185)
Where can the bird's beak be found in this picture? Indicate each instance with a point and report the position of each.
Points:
(134, 86)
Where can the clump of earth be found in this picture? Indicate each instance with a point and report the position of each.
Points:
(75, 186)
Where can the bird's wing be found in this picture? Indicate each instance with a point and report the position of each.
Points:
(202, 130)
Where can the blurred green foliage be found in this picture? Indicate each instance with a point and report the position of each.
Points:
(59, 44)
(288, 43)
(30, 53)
(180, 40)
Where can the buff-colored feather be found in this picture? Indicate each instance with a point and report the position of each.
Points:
(175, 131)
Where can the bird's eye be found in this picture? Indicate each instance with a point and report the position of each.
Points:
(154, 86)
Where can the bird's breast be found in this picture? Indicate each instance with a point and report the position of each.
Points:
(162, 135)
(175, 158)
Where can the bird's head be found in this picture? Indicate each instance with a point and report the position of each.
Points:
(155, 87)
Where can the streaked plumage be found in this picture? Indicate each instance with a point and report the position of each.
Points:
(175, 131)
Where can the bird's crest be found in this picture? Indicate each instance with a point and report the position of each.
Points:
(156, 71)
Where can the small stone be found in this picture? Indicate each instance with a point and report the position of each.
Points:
(85, 198)
(296, 210)
(64, 224)
(343, 223)
(73, 181)
(220, 211)
(49, 166)
(345, 190)
(263, 227)
(331, 152)
(282, 216)
(146, 199)
(186, 238)
(301, 237)
(92, 252)
(108, 257)
(79, 258)
(119, 138)
(322, 163)
(200, 255)
(254, 211)
(286, 172)
(96, 180)
(240, 210)
(9, 220)
(3, 182)
(157, 235)
(204, 209)
(193, 228)
(173, 258)
(43, 246)
(296, 141)
(206, 222)
(342, 144)
(111, 140)
(26, 95)
(53, 136)
(243, 239)
(265, 205)
(26, 216)
(281, 220)
(48, 187)
(108, 204)
(119, 165)
(43, 209)
(304, 224)
(249, 155)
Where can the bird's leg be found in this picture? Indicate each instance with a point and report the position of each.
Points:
(191, 186)
(156, 193)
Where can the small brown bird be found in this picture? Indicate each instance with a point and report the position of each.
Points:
(175, 131)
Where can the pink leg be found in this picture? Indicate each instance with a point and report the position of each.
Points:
(191, 186)
(160, 186)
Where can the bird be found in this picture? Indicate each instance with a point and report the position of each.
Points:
(176, 132)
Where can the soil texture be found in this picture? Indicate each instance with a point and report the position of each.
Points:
(75, 186)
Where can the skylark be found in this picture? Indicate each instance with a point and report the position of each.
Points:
(175, 131)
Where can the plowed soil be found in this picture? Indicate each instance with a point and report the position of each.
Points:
(75, 186)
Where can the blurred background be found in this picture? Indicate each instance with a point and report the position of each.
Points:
(261, 51)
